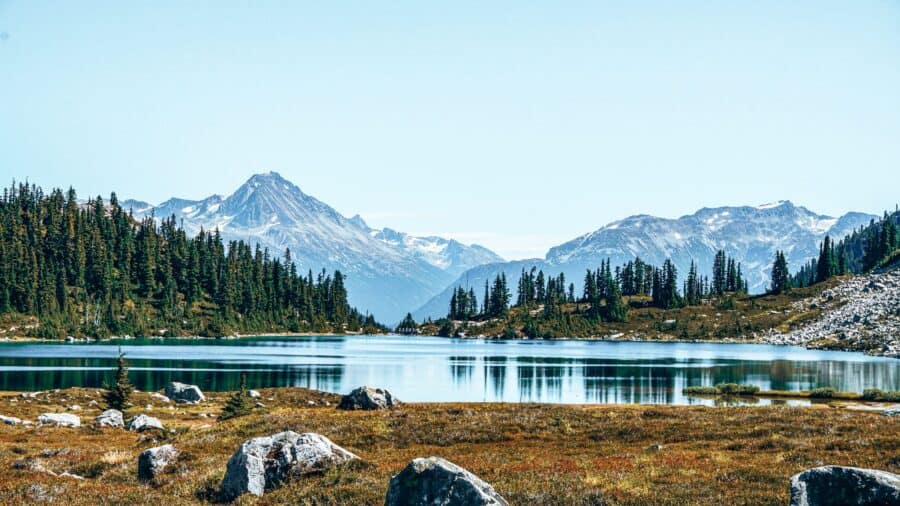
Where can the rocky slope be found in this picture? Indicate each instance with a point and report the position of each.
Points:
(861, 313)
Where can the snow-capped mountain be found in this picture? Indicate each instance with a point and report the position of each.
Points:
(749, 234)
(387, 272)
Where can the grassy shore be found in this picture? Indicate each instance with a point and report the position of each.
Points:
(532, 454)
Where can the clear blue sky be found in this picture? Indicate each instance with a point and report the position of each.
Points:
(514, 124)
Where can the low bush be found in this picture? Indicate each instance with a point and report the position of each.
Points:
(735, 389)
(701, 391)
(875, 394)
(822, 393)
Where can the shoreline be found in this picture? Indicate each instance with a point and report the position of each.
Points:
(609, 339)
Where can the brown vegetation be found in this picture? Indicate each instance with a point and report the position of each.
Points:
(532, 454)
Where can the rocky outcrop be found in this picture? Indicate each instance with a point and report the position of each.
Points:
(263, 463)
(184, 393)
(110, 418)
(844, 486)
(368, 398)
(435, 481)
(153, 461)
(861, 314)
(59, 420)
(142, 422)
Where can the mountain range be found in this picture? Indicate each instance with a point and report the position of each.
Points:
(749, 234)
(390, 272)
(387, 272)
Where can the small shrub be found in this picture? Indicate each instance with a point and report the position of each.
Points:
(735, 389)
(822, 393)
(875, 394)
(701, 391)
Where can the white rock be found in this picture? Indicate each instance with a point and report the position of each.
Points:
(59, 420)
(143, 422)
(110, 418)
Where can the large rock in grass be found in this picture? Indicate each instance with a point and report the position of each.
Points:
(435, 481)
(143, 422)
(153, 461)
(59, 420)
(263, 463)
(110, 418)
(844, 486)
(368, 398)
(892, 411)
(184, 393)
(10, 420)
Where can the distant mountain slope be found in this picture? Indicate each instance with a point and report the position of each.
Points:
(387, 272)
(749, 234)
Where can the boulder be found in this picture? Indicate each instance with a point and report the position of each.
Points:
(892, 411)
(263, 463)
(110, 418)
(153, 461)
(844, 486)
(183, 393)
(10, 420)
(425, 482)
(253, 394)
(141, 423)
(156, 396)
(60, 420)
(368, 398)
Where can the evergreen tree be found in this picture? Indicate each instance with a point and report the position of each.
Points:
(780, 274)
(238, 404)
(118, 395)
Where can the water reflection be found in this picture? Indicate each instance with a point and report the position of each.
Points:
(436, 369)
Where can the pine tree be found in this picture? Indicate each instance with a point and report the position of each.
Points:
(118, 395)
(238, 404)
(780, 274)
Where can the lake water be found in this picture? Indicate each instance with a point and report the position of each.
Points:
(440, 369)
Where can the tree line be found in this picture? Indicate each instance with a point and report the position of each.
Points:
(92, 269)
(603, 292)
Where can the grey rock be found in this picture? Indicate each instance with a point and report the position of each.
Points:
(60, 420)
(435, 481)
(844, 486)
(153, 461)
(892, 411)
(156, 396)
(368, 398)
(184, 393)
(253, 394)
(143, 422)
(110, 418)
(263, 463)
(10, 420)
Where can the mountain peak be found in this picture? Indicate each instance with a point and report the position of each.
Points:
(777, 203)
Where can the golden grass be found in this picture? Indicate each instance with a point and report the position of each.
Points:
(531, 453)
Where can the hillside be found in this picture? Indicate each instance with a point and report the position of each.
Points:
(734, 317)
(750, 234)
(387, 271)
(860, 313)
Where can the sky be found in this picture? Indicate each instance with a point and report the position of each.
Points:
(517, 125)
